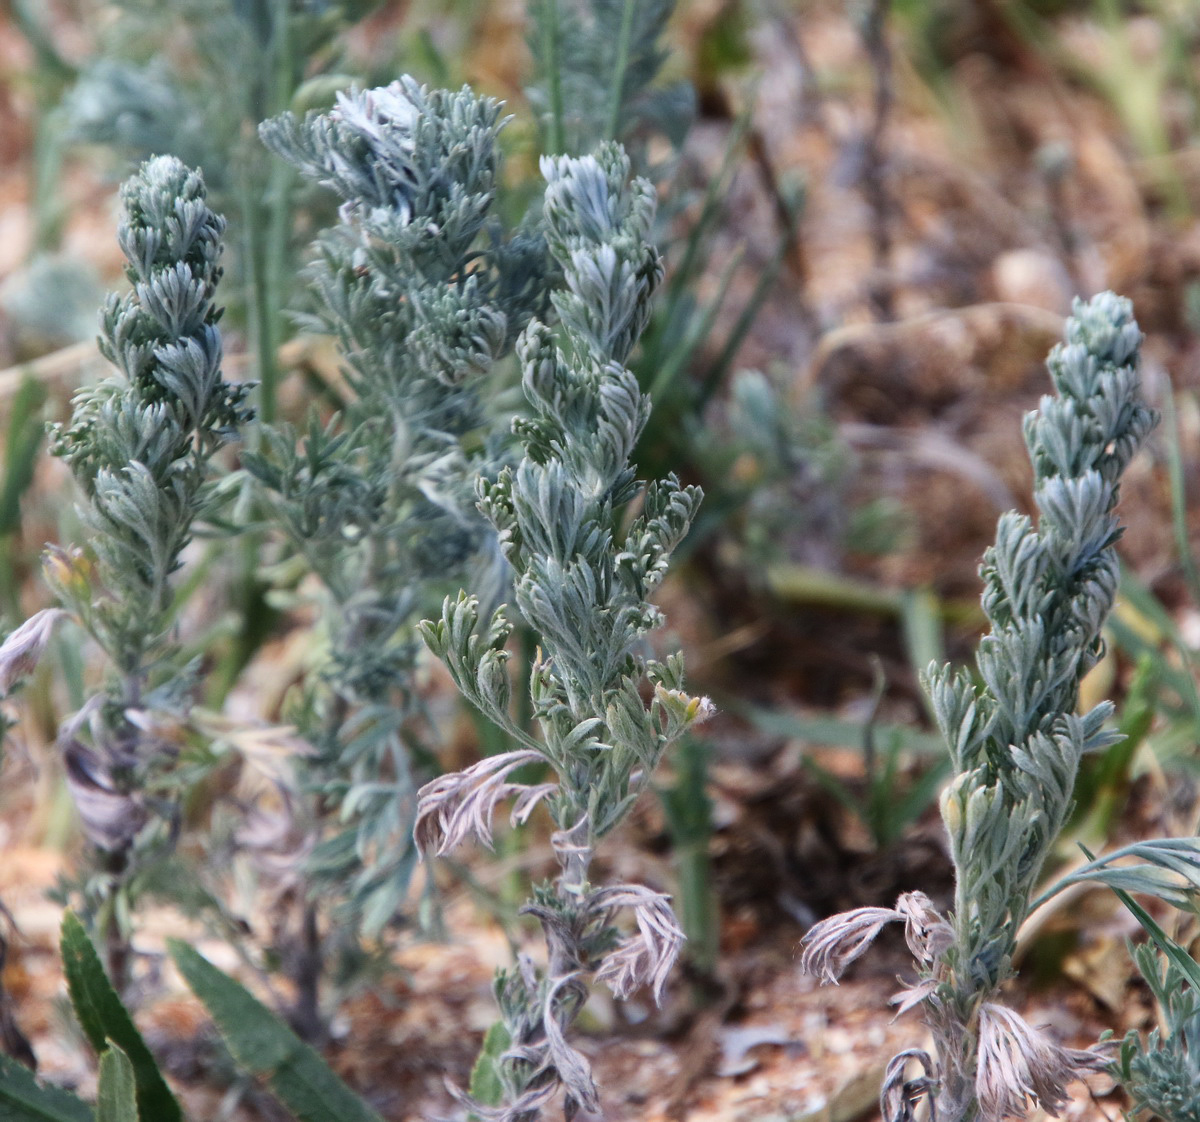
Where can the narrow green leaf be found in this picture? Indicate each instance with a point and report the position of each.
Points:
(1176, 475)
(104, 1019)
(22, 443)
(265, 1046)
(714, 376)
(616, 96)
(1171, 871)
(921, 617)
(23, 1099)
(823, 729)
(1184, 961)
(117, 1099)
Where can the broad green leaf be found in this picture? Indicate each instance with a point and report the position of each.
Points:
(104, 1019)
(117, 1099)
(265, 1046)
(23, 1099)
(486, 1085)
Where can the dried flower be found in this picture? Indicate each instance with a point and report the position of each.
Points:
(831, 945)
(899, 1096)
(1019, 1065)
(111, 817)
(911, 996)
(454, 807)
(571, 1065)
(647, 957)
(925, 931)
(23, 648)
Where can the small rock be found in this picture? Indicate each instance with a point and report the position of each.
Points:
(1030, 276)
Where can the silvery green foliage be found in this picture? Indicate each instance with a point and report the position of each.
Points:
(595, 66)
(180, 78)
(1162, 1073)
(424, 295)
(797, 501)
(140, 445)
(50, 303)
(1015, 741)
(583, 585)
(138, 110)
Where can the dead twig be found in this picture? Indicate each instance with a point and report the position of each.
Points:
(881, 290)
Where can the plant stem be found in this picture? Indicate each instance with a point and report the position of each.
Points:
(116, 946)
(874, 170)
(616, 96)
(555, 138)
(306, 1013)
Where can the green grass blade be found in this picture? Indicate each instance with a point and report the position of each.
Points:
(262, 1044)
(104, 1019)
(117, 1099)
(24, 439)
(1171, 949)
(715, 375)
(698, 330)
(556, 141)
(616, 97)
(823, 729)
(1175, 474)
(711, 208)
(23, 1099)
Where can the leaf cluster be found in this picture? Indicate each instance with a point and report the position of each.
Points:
(131, 1085)
(424, 293)
(140, 443)
(596, 63)
(583, 580)
(1017, 742)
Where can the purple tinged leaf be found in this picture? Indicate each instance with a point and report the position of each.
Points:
(454, 807)
(831, 945)
(647, 957)
(23, 648)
